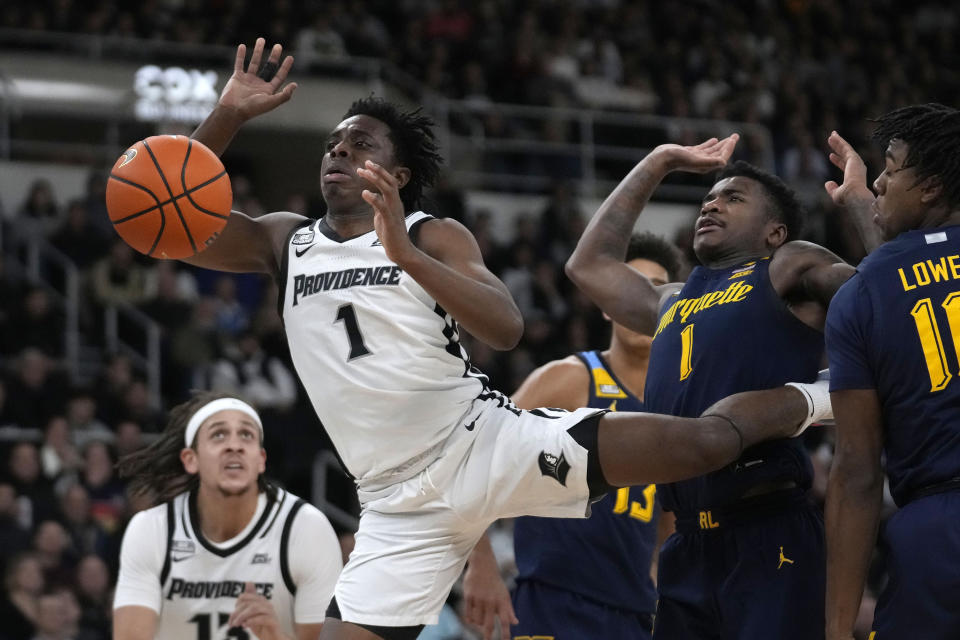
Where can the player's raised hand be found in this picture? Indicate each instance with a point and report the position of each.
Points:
(709, 155)
(854, 186)
(256, 88)
(254, 612)
(388, 211)
(486, 598)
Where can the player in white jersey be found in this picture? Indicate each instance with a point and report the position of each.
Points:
(225, 554)
(372, 297)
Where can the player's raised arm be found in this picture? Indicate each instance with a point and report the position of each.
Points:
(253, 89)
(446, 262)
(246, 244)
(597, 265)
(853, 195)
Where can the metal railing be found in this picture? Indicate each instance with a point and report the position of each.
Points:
(148, 358)
(594, 147)
(34, 256)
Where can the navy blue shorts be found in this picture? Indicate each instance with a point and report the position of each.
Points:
(744, 575)
(922, 597)
(548, 613)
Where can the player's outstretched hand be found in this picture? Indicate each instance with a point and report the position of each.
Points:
(252, 90)
(854, 187)
(710, 155)
(486, 598)
(254, 612)
(388, 212)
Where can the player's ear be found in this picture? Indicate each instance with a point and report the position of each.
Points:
(188, 457)
(263, 461)
(776, 234)
(402, 174)
(930, 190)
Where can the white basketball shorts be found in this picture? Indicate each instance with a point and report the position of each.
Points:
(415, 536)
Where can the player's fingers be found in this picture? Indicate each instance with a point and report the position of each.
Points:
(384, 175)
(254, 65)
(282, 72)
(374, 199)
(836, 161)
(489, 619)
(241, 56)
(507, 612)
(830, 186)
(275, 51)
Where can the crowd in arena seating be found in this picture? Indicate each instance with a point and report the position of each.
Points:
(802, 68)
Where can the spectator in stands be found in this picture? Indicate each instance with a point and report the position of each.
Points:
(14, 537)
(51, 544)
(117, 279)
(23, 583)
(40, 212)
(105, 489)
(93, 594)
(249, 372)
(6, 418)
(82, 417)
(36, 391)
(78, 238)
(111, 386)
(232, 316)
(129, 437)
(35, 498)
(166, 301)
(137, 406)
(59, 456)
(194, 346)
(35, 322)
(86, 534)
(57, 615)
(319, 40)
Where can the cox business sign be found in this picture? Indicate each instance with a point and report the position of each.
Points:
(181, 95)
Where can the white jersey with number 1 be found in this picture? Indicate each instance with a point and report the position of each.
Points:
(379, 358)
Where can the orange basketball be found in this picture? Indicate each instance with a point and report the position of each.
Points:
(169, 196)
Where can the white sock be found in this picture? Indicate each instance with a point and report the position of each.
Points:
(817, 395)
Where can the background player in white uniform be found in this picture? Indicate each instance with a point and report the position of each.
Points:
(372, 300)
(224, 554)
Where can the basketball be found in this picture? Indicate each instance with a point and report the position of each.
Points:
(168, 196)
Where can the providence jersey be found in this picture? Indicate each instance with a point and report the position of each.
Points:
(201, 581)
(607, 556)
(895, 327)
(380, 360)
(729, 331)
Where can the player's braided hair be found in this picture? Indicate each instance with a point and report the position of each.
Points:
(784, 207)
(932, 134)
(156, 470)
(411, 133)
(647, 246)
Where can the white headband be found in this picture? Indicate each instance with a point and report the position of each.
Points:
(216, 406)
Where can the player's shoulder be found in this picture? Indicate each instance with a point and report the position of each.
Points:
(309, 527)
(565, 372)
(432, 234)
(561, 383)
(148, 522)
(803, 252)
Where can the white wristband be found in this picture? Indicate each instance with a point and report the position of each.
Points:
(817, 395)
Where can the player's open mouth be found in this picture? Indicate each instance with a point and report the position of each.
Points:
(705, 225)
(336, 175)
